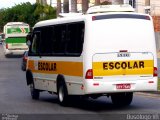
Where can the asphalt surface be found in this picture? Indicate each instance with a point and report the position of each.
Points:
(15, 100)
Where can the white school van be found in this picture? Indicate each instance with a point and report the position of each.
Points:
(111, 53)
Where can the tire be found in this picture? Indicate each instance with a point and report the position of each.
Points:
(122, 99)
(62, 94)
(23, 68)
(34, 92)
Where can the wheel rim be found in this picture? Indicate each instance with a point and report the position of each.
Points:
(61, 94)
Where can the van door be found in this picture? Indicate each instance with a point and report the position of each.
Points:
(123, 66)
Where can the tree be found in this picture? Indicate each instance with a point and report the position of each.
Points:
(21, 12)
(66, 6)
(26, 12)
(74, 6)
(45, 12)
(59, 8)
(42, 2)
(85, 5)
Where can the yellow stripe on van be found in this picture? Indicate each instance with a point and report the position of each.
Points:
(135, 67)
(56, 67)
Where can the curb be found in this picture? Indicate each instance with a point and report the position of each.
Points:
(153, 94)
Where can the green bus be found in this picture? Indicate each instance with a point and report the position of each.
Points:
(15, 37)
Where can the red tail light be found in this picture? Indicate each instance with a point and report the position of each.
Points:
(25, 58)
(148, 18)
(6, 46)
(89, 74)
(155, 72)
(123, 51)
(93, 18)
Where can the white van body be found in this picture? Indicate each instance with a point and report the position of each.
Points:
(110, 8)
(118, 56)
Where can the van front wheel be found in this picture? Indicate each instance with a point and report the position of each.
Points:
(122, 99)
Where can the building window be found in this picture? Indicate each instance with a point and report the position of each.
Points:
(132, 3)
(147, 2)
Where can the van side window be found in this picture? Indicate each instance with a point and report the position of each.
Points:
(35, 43)
(59, 44)
(72, 38)
(46, 41)
(33, 49)
(75, 38)
(59, 40)
(80, 37)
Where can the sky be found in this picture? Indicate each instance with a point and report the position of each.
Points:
(10, 3)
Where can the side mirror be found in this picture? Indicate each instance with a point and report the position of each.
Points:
(28, 37)
(28, 43)
(3, 36)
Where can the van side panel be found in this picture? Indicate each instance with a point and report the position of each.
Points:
(46, 69)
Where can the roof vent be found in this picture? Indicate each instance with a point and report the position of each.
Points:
(110, 8)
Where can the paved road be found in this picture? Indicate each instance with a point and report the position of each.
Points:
(15, 97)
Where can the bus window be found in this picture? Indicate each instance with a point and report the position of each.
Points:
(60, 39)
(75, 38)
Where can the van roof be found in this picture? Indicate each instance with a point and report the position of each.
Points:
(60, 20)
(110, 8)
(62, 15)
(86, 16)
(16, 23)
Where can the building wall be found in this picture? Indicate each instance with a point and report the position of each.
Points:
(155, 7)
(140, 4)
(91, 1)
(155, 12)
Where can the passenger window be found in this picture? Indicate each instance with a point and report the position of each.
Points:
(46, 41)
(35, 43)
(59, 40)
(75, 38)
(72, 41)
(59, 44)
(80, 37)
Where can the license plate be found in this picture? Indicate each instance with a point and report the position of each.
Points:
(123, 55)
(123, 86)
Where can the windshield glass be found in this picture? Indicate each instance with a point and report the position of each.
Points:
(17, 29)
